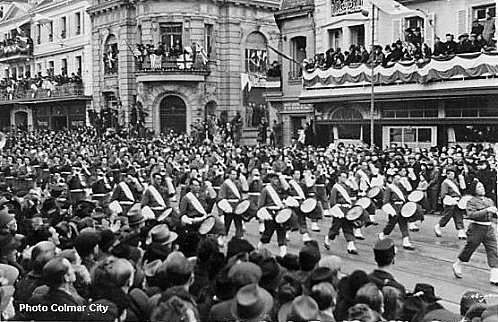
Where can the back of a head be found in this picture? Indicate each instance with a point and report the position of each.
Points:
(393, 302)
(309, 256)
(54, 271)
(470, 298)
(324, 294)
(117, 271)
(362, 312)
(41, 254)
(177, 269)
(175, 309)
(371, 295)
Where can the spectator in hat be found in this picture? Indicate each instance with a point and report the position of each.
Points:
(347, 289)
(393, 303)
(207, 254)
(309, 256)
(488, 178)
(161, 243)
(86, 244)
(136, 222)
(59, 275)
(333, 263)
(385, 254)
(8, 223)
(469, 299)
(432, 311)
(303, 309)
(175, 306)
(289, 289)
(450, 46)
(290, 262)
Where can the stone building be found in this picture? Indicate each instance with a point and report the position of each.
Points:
(179, 62)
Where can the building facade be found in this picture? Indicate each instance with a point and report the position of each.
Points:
(45, 55)
(420, 104)
(180, 62)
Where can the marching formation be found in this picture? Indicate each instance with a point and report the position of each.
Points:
(59, 186)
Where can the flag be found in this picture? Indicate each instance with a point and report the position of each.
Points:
(284, 55)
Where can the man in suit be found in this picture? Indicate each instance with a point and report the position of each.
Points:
(434, 187)
(481, 211)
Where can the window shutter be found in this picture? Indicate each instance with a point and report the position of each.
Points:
(396, 29)
(430, 25)
(461, 22)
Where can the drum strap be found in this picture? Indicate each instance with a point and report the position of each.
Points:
(364, 176)
(157, 196)
(298, 188)
(406, 184)
(195, 203)
(232, 187)
(343, 192)
(274, 196)
(453, 186)
(127, 191)
(397, 191)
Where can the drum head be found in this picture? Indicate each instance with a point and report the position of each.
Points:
(409, 209)
(283, 216)
(462, 203)
(373, 192)
(364, 202)
(354, 213)
(416, 196)
(308, 205)
(242, 207)
(207, 225)
(225, 206)
(263, 214)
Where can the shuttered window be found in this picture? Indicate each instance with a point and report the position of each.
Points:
(462, 22)
(396, 29)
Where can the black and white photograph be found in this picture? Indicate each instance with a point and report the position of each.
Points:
(248, 160)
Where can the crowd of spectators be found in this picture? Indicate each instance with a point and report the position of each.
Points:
(13, 87)
(15, 46)
(164, 56)
(412, 48)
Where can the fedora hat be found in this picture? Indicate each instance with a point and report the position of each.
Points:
(161, 234)
(251, 303)
(427, 290)
(134, 216)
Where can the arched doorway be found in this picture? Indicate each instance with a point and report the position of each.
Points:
(173, 114)
(21, 121)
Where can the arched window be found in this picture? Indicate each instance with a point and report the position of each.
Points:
(256, 53)
(346, 114)
(110, 55)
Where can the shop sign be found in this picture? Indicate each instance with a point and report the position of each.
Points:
(343, 7)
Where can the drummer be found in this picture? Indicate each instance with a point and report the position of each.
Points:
(450, 193)
(299, 191)
(155, 195)
(341, 202)
(193, 210)
(255, 184)
(395, 198)
(231, 190)
(271, 198)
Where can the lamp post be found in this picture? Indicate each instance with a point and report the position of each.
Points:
(372, 87)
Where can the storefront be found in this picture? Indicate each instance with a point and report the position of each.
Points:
(60, 115)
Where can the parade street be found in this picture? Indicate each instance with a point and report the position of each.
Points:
(430, 262)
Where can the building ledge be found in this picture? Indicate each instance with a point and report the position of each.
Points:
(153, 76)
(58, 93)
(15, 58)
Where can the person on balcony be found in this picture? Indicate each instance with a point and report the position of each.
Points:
(450, 46)
(488, 32)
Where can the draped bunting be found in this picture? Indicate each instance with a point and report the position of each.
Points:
(422, 71)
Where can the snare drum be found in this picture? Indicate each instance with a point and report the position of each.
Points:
(409, 209)
(242, 209)
(364, 202)
(225, 206)
(374, 192)
(354, 215)
(283, 216)
(309, 207)
(207, 226)
(450, 201)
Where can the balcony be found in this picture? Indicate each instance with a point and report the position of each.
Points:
(15, 51)
(56, 93)
(437, 76)
(171, 69)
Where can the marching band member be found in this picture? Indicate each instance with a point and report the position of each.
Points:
(481, 211)
(299, 191)
(341, 202)
(394, 198)
(450, 193)
(355, 192)
(362, 177)
(128, 191)
(231, 190)
(255, 186)
(76, 184)
(155, 195)
(271, 199)
(321, 181)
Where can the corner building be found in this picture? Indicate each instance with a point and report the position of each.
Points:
(210, 49)
(444, 101)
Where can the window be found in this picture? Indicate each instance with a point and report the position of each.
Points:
(256, 56)
(50, 69)
(51, 31)
(77, 23)
(63, 27)
(64, 66)
(38, 34)
(476, 107)
(110, 55)
(39, 68)
(416, 24)
(479, 13)
(420, 109)
(7, 73)
(335, 37)
(411, 136)
(476, 133)
(78, 65)
(171, 36)
(208, 39)
(298, 51)
(357, 35)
